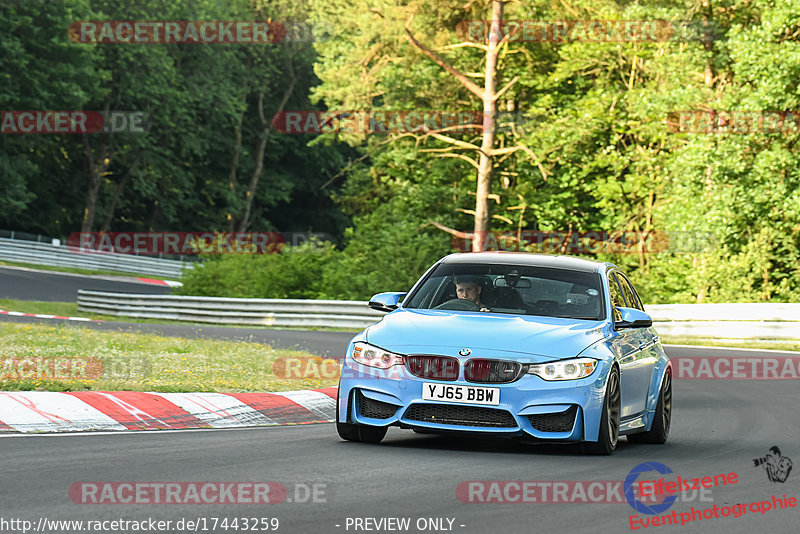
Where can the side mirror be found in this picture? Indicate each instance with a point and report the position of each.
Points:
(633, 318)
(386, 302)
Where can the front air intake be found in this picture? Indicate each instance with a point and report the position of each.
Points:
(492, 371)
(432, 367)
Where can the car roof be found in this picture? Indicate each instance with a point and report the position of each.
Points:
(527, 258)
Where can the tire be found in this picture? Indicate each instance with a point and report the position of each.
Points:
(359, 433)
(659, 430)
(609, 422)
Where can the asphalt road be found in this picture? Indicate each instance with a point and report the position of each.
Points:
(719, 427)
(51, 286)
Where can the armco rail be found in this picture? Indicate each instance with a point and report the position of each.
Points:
(63, 256)
(732, 321)
(735, 321)
(264, 312)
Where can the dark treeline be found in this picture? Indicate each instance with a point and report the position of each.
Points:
(208, 160)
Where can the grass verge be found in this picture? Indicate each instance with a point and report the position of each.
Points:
(67, 358)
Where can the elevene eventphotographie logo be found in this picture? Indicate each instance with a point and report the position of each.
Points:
(668, 491)
(630, 482)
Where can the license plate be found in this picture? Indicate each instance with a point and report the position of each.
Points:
(462, 394)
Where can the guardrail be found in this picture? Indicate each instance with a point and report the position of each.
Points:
(734, 321)
(731, 321)
(261, 312)
(65, 256)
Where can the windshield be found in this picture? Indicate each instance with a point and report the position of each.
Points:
(511, 289)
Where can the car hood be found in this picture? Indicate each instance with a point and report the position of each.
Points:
(445, 332)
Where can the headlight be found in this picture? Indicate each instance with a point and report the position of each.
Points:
(565, 369)
(374, 357)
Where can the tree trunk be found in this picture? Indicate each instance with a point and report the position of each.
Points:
(486, 162)
(488, 95)
(237, 150)
(708, 42)
(98, 165)
(266, 129)
(118, 192)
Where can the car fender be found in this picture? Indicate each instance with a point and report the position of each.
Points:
(342, 396)
(659, 371)
(593, 411)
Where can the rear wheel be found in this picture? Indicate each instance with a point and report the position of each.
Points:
(659, 431)
(609, 421)
(362, 433)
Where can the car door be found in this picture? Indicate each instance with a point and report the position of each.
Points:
(624, 345)
(640, 362)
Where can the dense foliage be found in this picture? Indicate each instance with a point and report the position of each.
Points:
(193, 167)
(587, 125)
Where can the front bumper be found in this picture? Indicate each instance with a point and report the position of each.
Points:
(567, 410)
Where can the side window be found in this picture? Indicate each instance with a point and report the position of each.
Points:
(627, 292)
(616, 296)
(628, 289)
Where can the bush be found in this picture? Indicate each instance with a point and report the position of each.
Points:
(295, 273)
(382, 254)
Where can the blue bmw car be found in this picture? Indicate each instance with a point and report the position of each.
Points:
(550, 348)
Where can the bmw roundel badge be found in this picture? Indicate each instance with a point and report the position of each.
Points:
(465, 352)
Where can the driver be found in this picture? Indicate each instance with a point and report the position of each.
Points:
(468, 289)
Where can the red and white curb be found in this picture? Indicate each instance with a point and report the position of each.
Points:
(44, 316)
(157, 282)
(45, 411)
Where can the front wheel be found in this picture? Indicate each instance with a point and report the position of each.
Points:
(659, 431)
(609, 422)
(361, 433)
